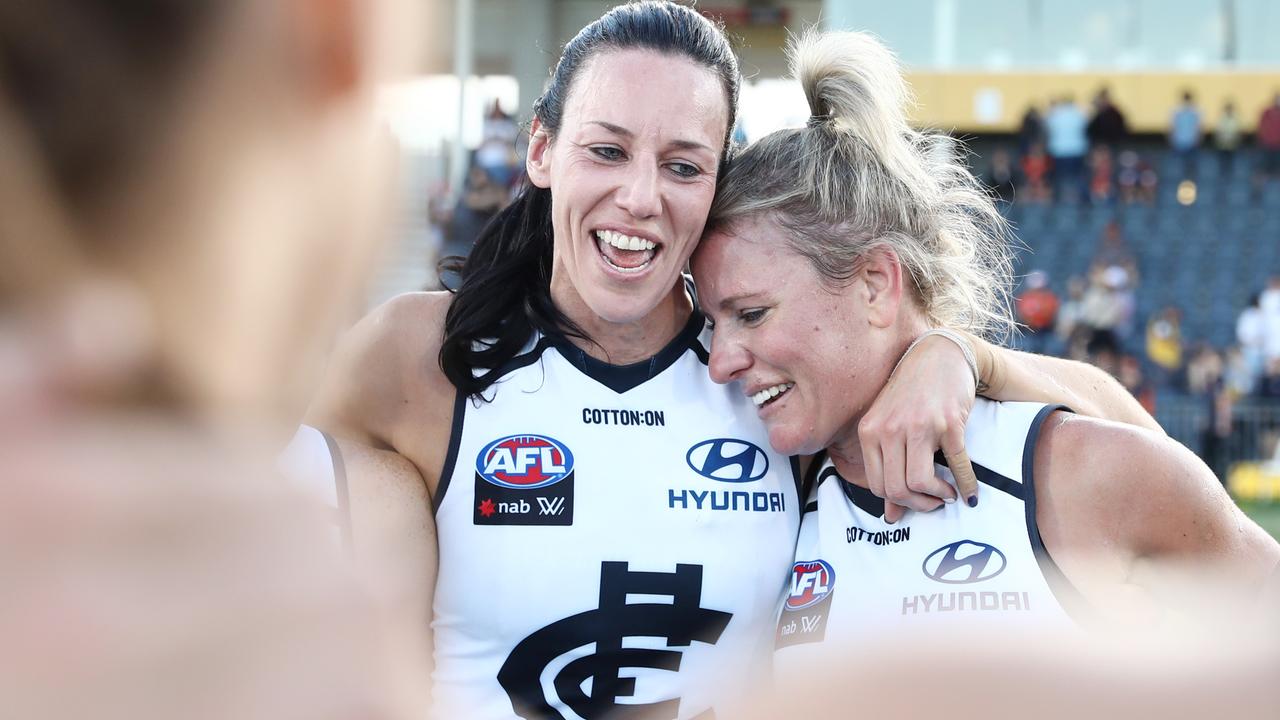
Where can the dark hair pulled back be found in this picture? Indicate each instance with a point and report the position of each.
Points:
(505, 293)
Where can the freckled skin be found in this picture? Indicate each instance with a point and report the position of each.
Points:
(753, 270)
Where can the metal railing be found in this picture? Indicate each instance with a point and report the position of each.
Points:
(1239, 441)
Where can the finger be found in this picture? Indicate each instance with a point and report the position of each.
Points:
(893, 512)
(962, 471)
(921, 477)
(872, 462)
(895, 481)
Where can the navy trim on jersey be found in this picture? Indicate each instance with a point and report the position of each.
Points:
(862, 498)
(455, 439)
(810, 479)
(621, 378)
(340, 488)
(798, 477)
(987, 476)
(1067, 595)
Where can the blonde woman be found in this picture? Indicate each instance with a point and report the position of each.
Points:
(831, 249)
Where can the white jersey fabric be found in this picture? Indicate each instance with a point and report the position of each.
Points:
(611, 538)
(857, 579)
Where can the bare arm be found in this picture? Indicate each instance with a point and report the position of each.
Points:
(926, 403)
(393, 537)
(1010, 375)
(1137, 522)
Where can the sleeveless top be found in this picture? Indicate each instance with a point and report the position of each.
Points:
(858, 579)
(610, 538)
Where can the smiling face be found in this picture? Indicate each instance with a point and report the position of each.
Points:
(632, 173)
(810, 356)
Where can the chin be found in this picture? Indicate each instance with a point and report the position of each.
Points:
(787, 441)
(628, 305)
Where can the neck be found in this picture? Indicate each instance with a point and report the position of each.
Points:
(627, 342)
(845, 449)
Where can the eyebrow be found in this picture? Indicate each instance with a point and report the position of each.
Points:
(619, 130)
(732, 300)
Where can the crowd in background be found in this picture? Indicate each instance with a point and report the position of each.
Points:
(1060, 156)
(1064, 156)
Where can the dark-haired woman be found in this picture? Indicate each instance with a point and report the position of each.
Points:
(614, 530)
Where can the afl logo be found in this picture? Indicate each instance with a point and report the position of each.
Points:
(728, 460)
(964, 562)
(812, 581)
(524, 462)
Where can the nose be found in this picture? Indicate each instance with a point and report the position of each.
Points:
(640, 195)
(728, 359)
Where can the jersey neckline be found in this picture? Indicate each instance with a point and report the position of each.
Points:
(621, 378)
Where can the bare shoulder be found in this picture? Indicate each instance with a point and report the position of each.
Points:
(384, 387)
(1128, 492)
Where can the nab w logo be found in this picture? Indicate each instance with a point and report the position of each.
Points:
(964, 562)
(728, 460)
(551, 506)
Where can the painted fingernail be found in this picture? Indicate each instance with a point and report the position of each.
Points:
(886, 520)
(973, 501)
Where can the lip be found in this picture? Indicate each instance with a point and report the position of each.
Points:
(769, 408)
(629, 231)
(613, 272)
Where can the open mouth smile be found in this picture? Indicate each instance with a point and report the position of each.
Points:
(624, 253)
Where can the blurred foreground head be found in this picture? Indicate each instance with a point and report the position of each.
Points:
(190, 189)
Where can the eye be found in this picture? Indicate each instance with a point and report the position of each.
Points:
(752, 316)
(607, 152)
(685, 170)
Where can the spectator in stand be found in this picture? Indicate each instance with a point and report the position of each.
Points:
(1036, 168)
(1113, 250)
(1000, 179)
(1269, 303)
(1065, 126)
(1136, 178)
(1070, 323)
(1238, 378)
(1251, 333)
(483, 198)
(1102, 308)
(1269, 142)
(497, 150)
(1205, 381)
(1185, 133)
(1037, 308)
(1031, 132)
(1226, 138)
(1107, 128)
(1101, 175)
(1164, 343)
(1131, 377)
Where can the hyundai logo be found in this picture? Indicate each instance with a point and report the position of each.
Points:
(728, 460)
(964, 562)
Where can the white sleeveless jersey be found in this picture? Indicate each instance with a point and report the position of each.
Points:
(857, 579)
(610, 537)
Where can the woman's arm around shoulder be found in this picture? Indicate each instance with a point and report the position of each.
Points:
(1136, 520)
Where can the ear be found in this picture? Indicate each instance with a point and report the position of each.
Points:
(882, 277)
(538, 159)
(328, 44)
